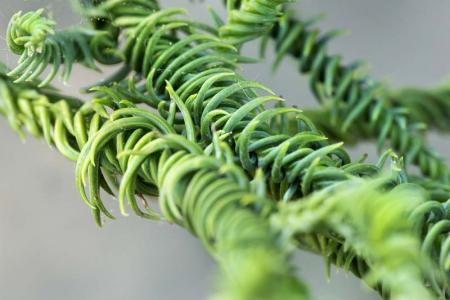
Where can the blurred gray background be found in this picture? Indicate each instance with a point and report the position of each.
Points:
(49, 245)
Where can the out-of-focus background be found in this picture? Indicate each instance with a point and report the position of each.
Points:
(49, 245)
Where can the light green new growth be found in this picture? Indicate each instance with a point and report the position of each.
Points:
(373, 224)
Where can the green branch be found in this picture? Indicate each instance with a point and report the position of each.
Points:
(375, 225)
(33, 37)
(353, 100)
(212, 134)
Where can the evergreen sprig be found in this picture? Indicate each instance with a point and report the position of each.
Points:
(356, 106)
(252, 182)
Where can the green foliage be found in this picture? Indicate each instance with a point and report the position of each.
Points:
(33, 37)
(118, 13)
(252, 182)
(374, 225)
(186, 177)
(250, 19)
(428, 106)
(356, 106)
